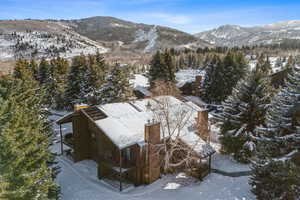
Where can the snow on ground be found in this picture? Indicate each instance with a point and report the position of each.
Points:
(79, 182)
(228, 164)
(150, 36)
(273, 60)
(187, 75)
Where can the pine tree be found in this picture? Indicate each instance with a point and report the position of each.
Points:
(60, 68)
(116, 88)
(221, 76)
(24, 143)
(74, 91)
(279, 145)
(96, 75)
(263, 65)
(158, 70)
(212, 84)
(45, 71)
(290, 63)
(21, 69)
(33, 66)
(242, 112)
(169, 63)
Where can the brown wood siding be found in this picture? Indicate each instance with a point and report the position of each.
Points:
(82, 138)
(152, 137)
(91, 143)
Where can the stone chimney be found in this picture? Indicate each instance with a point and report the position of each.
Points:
(197, 85)
(202, 125)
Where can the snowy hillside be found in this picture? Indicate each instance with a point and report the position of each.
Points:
(233, 35)
(63, 42)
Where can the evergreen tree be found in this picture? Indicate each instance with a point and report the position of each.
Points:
(158, 69)
(221, 76)
(212, 88)
(45, 71)
(263, 65)
(21, 69)
(290, 63)
(60, 68)
(96, 75)
(33, 66)
(279, 145)
(242, 112)
(116, 88)
(74, 91)
(169, 64)
(24, 143)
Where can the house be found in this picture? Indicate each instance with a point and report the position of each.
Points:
(189, 81)
(120, 138)
(140, 85)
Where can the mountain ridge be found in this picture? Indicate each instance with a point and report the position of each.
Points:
(67, 38)
(236, 35)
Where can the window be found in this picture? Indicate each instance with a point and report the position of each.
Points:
(127, 154)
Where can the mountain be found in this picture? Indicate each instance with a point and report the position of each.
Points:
(234, 35)
(67, 38)
(33, 38)
(129, 35)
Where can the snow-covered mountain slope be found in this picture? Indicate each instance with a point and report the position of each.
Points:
(67, 38)
(133, 36)
(28, 38)
(233, 35)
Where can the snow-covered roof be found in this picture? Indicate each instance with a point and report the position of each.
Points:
(141, 83)
(139, 80)
(187, 76)
(126, 121)
(143, 90)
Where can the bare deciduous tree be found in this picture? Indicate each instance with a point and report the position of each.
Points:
(176, 120)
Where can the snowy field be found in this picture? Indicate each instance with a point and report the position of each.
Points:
(79, 182)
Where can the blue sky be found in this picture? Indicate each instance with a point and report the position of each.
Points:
(187, 15)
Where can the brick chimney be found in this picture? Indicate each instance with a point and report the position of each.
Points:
(152, 165)
(197, 85)
(202, 125)
(152, 133)
(80, 106)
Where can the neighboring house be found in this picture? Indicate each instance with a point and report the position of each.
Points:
(189, 81)
(141, 86)
(191, 87)
(142, 92)
(120, 137)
